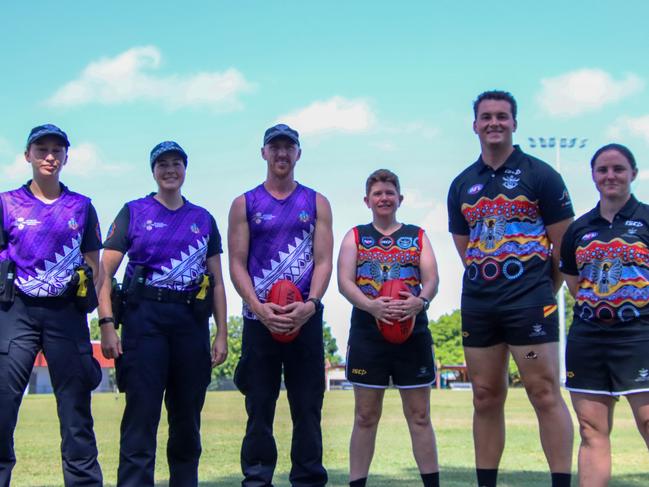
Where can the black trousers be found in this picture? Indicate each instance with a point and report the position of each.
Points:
(61, 331)
(166, 354)
(258, 377)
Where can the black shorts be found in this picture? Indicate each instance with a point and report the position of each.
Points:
(612, 369)
(525, 326)
(372, 361)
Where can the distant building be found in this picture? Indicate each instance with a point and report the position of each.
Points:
(40, 383)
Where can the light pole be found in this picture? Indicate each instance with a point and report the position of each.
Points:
(559, 144)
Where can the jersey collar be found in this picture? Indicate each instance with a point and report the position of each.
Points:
(512, 162)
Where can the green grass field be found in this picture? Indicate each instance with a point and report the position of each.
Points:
(37, 442)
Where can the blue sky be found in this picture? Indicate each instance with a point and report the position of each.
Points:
(368, 84)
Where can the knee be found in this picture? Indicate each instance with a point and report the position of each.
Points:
(544, 395)
(488, 399)
(592, 432)
(367, 418)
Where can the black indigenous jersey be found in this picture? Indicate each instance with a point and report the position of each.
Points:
(612, 262)
(504, 213)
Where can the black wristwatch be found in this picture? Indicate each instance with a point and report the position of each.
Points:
(107, 319)
(426, 302)
(317, 303)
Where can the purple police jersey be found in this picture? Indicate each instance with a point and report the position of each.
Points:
(46, 241)
(281, 240)
(172, 245)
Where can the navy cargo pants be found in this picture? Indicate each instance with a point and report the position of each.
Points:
(166, 354)
(61, 331)
(258, 377)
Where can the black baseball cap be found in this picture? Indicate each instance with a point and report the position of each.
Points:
(164, 147)
(281, 130)
(47, 129)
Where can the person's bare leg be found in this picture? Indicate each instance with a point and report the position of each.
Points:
(416, 409)
(368, 403)
(640, 406)
(487, 369)
(595, 415)
(539, 368)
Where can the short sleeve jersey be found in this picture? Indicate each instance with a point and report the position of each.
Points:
(612, 262)
(281, 240)
(504, 213)
(172, 245)
(47, 241)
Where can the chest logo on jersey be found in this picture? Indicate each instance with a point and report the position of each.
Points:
(194, 228)
(262, 217)
(304, 216)
(589, 236)
(386, 242)
(510, 182)
(476, 188)
(21, 222)
(404, 242)
(515, 172)
(150, 225)
(633, 223)
(72, 224)
(367, 241)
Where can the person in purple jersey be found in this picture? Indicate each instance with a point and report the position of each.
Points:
(281, 230)
(370, 255)
(605, 261)
(49, 236)
(173, 283)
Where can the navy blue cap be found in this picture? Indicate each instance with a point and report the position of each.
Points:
(281, 130)
(164, 147)
(47, 129)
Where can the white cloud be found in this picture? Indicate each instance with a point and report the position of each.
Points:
(130, 76)
(436, 220)
(336, 114)
(584, 90)
(637, 126)
(415, 199)
(84, 160)
(418, 128)
(643, 175)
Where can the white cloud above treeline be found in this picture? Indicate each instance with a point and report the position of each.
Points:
(584, 90)
(337, 114)
(131, 76)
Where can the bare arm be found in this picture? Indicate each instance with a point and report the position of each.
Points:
(220, 345)
(238, 246)
(461, 243)
(111, 345)
(555, 234)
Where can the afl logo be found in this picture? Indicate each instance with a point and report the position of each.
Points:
(367, 241)
(386, 242)
(476, 188)
(304, 216)
(72, 223)
(194, 228)
(405, 242)
(589, 236)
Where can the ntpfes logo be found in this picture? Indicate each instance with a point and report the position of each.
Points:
(21, 222)
(150, 225)
(262, 217)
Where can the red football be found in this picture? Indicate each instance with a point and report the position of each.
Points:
(284, 292)
(396, 331)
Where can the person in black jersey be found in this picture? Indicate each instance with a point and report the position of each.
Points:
(605, 261)
(173, 283)
(370, 255)
(507, 213)
(49, 243)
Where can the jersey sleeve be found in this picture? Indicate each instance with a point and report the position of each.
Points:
(214, 245)
(554, 200)
(457, 224)
(568, 262)
(3, 234)
(117, 238)
(91, 240)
